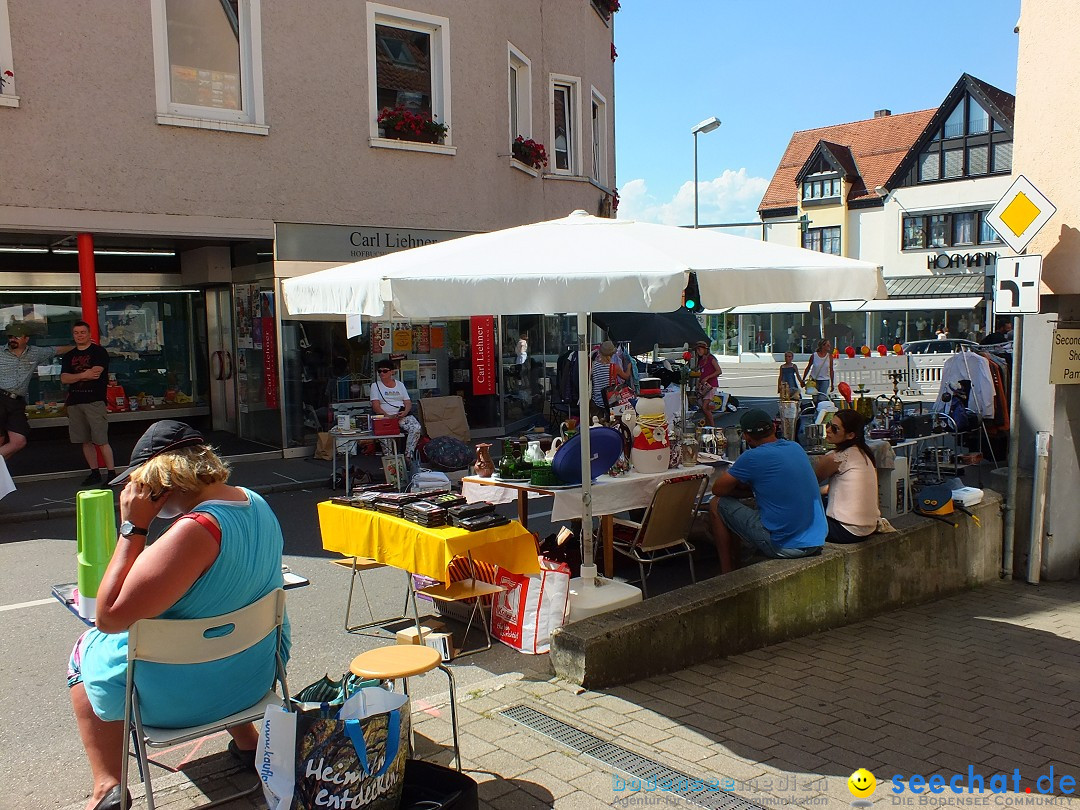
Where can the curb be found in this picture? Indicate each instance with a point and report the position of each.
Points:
(69, 511)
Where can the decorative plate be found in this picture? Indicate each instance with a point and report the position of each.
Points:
(606, 445)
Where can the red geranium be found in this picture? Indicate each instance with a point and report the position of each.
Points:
(529, 152)
(404, 121)
(6, 76)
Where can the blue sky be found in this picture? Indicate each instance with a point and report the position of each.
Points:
(767, 68)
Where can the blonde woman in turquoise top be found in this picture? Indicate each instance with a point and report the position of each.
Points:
(222, 554)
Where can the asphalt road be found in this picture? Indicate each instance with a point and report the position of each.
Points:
(42, 764)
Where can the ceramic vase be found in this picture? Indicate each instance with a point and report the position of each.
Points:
(484, 466)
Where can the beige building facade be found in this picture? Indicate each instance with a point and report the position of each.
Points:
(1048, 154)
(203, 144)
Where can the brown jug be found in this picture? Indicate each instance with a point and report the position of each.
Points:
(483, 466)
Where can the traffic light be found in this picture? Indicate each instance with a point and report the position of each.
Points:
(691, 297)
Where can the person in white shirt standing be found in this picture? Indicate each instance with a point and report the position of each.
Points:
(389, 397)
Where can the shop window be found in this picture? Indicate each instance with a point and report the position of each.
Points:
(520, 90)
(208, 64)
(408, 68)
(565, 124)
(7, 66)
(599, 138)
(150, 338)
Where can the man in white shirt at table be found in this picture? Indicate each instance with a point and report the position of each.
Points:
(389, 397)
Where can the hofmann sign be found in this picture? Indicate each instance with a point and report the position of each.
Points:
(300, 242)
(1065, 357)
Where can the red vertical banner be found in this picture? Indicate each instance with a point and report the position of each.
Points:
(269, 350)
(483, 354)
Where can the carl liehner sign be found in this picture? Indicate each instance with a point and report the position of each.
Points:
(303, 242)
(1065, 357)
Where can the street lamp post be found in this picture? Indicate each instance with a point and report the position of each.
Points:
(708, 125)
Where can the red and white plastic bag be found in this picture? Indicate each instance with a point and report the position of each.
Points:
(531, 607)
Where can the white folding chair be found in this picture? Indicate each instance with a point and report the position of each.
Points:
(189, 641)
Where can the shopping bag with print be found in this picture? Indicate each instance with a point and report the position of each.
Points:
(354, 759)
(531, 607)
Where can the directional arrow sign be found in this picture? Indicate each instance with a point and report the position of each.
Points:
(1020, 214)
(1016, 286)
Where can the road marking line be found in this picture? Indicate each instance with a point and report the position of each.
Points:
(28, 604)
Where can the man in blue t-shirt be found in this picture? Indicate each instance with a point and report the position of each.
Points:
(789, 520)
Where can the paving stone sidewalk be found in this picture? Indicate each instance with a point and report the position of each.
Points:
(988, 681)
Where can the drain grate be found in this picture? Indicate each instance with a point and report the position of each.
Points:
(637, 766)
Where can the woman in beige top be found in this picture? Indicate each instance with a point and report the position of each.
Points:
(849, 471)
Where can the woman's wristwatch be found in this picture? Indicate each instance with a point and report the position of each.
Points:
(128, 529)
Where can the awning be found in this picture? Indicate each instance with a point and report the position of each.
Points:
(758, 309)
(847, 306)
(903, 304)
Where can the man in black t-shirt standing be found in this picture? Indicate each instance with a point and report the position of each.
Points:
(86, 370)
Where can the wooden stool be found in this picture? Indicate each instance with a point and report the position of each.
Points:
(403, 661)
(358, 565)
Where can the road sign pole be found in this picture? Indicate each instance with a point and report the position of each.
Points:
(1009, 540)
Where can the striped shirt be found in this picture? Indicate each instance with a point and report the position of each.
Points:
(16, 370)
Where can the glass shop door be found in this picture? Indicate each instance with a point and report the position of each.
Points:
(258, 389)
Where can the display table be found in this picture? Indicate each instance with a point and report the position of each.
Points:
(406, 545)
(610, 496)
(343, 443)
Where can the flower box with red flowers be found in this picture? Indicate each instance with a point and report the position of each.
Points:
(402, 124)
(529, 152)
(606, 7)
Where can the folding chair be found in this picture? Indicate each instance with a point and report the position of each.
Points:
(664, 530)
(358, 565)
(189, 641)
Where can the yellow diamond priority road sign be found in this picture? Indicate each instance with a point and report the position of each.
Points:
(1020, 214)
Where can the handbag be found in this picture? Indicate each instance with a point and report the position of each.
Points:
(617, 395)
(531, 606)
(354, 759)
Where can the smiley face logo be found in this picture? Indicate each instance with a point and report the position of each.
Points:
(862, 784)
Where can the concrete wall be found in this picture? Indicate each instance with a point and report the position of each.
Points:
(781, 599)
(1047, 152)
(87, 139)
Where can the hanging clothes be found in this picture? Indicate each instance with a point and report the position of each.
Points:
(966, 365)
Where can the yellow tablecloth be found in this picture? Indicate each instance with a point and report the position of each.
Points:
(409, 546)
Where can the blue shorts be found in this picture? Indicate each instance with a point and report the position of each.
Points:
(745, 521)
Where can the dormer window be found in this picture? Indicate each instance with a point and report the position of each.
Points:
(821, 187)
(970, 143)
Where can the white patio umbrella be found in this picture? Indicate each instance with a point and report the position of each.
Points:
(579, 264)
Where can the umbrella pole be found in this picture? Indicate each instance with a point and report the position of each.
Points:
(588, 568)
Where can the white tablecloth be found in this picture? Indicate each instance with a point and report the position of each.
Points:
(474, 492)
(610, 496)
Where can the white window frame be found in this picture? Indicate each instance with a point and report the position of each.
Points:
(573, 84)
(598, 141)
(252, 117)
(438, 28)
(522, 64)
(8, 98)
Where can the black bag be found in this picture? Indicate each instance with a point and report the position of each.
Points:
(432, 787)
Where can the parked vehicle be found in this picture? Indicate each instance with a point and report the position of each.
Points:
(941, 346)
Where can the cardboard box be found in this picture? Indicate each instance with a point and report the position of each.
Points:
(443, 642)
(427, 627)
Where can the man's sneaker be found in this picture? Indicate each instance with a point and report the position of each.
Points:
(93, 478)
(109, 476)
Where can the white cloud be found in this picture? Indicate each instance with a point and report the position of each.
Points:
(732, 197)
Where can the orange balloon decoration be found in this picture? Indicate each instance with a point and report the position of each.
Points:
(850, 351)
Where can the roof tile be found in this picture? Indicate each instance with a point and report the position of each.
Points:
(877, 146)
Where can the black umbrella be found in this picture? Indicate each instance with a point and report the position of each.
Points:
(647, 329)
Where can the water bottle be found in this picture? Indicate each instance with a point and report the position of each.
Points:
(95, 520)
